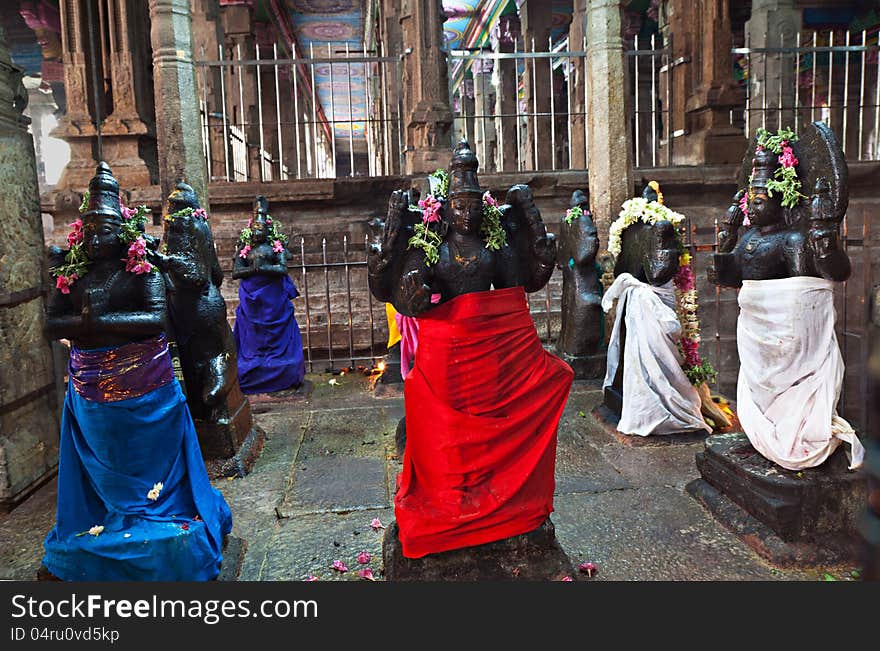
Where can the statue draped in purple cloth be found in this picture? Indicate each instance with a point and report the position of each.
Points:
(270, 354)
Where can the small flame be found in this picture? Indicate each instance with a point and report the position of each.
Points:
(381, 367)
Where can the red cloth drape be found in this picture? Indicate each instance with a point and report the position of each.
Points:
(483, 403)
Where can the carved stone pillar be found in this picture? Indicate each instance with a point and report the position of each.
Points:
(28, 405)
(427, 117)
(504, 37)
(484, 121)
(703, 90)
(773, 23)
(608, 127)
(178, 124)
(536, 17)
(577, 85)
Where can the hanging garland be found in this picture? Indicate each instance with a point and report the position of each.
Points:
(573, 214)
(427, 233)
(76, 262)
(639, 209)
(273, 234)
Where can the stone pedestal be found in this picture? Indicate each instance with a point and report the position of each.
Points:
(608, 413)
(29, 410)
(231, 443)
(789, 518)
(585, 367)
(534, 556)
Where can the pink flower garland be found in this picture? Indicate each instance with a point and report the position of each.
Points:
(430, 209)
(136, 262)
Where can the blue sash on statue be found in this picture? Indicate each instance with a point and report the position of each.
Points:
(125, 430)
(270, 353)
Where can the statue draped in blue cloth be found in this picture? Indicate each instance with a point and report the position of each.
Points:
(270, 354)
(134, 499)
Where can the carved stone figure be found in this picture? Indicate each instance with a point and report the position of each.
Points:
(270, 353)
(197, 322)
(483, 399)
(134, 499)
(786, 263)
(580, 336)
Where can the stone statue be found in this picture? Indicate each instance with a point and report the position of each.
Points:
(582, 318)
(483, 399)
(786, 263)
(270, 353)
(646, 390)
(134, 499)
(197, 322)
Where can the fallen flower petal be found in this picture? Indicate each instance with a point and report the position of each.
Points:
(184, 526)
(364, 558)
(97, 529)
(367, 574)
(376, 524)
(339, 566)
(311, 577)
(567, 578)
(153, 494)
(589, 568)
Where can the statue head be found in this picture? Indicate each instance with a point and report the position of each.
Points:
(651, 192)
(259, 226)
(465, 208)
(580, 199)
(102, 221)
(763, 209)
(183, 196)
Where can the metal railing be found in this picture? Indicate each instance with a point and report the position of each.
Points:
(333, 113)
(832, 77)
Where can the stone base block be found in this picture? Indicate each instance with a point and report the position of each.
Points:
(239, 464)
(608, 420)
(790, 518)
(534, 556)
(585, 367)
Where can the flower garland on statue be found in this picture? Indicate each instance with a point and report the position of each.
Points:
(785, 178)
(573, 214)
(273, 234)
(427, 236)
(76, 262)
(640, 209)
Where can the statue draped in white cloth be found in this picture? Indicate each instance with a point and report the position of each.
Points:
(791, 368)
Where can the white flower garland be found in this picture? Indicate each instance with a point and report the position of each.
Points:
(635, 210)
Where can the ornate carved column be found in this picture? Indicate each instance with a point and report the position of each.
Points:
(28, 404)
(504, 37)
(484, 121)
(608, 126)
(703, 89)
(178, 124)
(536, 17)
(577, 84)
(427, 118)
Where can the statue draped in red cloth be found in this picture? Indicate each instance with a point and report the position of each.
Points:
(484, 399)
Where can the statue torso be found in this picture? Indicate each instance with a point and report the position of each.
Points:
(766, 256)
(464, 268)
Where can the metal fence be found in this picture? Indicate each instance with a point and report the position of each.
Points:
(332, 113)
(832, 77)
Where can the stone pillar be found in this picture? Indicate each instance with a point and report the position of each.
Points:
(609, 130)
(178, 125)
(504, 38)
(28, 404)
(703, 91)
(484, 121)
(773, 23)
(577, 84)
(427, 117)
(537, 17)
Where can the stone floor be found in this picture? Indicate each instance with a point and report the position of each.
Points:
(328, 470)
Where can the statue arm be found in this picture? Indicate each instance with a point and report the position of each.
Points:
(829, 258)
(542, 245)
(412, 294)
(730, 224)
(184, 268)
(150, 320)
(241, 268)
(61, 322)
(381, 267)
(726, 270)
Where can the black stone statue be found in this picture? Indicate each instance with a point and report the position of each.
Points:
(262, 258)
(197, 322)
(580, 336)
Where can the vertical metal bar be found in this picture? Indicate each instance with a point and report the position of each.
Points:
(877, 107)
(314, 109)
(368, 117)
(369, 294)
(386, 116)
(332, 110)
(748, 115)
(305, 286)
(401, 143)
(845, 93)
(862, 92)
(669, 101)
(483, 111)
(636, 138)
(500, 116)
(570, 69)
(260, 113)
(797, 80)
(327, 299)
(586, 111)
(519, 161)
(295, 73)
(552, 107)
(764, 90)
(223, 99)
(278, 110)
(241, 112)
(204, 78)
(534, 120)
(830, 77)
(653, 102)
(348, 293)
(813, 84)
(779, 69)
(350, 115)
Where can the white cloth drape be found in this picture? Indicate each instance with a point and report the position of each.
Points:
(791, 372)
(657, 396)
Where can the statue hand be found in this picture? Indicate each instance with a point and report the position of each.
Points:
(823, 238)
(545, 249)
(416, 293)
(712, 275)
(520, 195)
